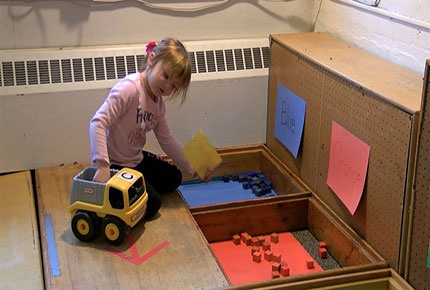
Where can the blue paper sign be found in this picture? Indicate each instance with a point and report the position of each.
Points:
(290, 117)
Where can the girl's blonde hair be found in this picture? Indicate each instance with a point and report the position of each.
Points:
(174, 55)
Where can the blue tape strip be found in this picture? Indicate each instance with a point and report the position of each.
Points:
(52, 248)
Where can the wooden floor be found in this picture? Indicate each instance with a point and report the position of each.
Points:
(20, 260)
(184, 262)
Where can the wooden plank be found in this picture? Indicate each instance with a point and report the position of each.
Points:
(185, 262)
(256, 219)
(418, 273)
(391, 82)
(21, 265)
(343, 277)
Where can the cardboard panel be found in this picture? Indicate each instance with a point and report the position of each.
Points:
(376, 101)
(419, 268)
(20, 263)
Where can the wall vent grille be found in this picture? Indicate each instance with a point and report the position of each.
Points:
(21, 70)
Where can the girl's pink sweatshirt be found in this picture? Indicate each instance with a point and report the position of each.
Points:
(118, 128)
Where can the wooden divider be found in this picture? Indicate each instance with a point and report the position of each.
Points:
(20, 263)
(418, 264)
(376, 101)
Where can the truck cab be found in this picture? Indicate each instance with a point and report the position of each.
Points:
(114, 206)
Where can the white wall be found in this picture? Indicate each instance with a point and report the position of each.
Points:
(398, 31)
(36, 24)
(64, 23)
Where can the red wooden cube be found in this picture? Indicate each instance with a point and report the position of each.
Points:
(275, 274)
(243, 236)
(255, 242)
(322, 245)
(276, 257)
(255, 249)
(261, 239)
(256, 257)
(274, 237)
(283, 263)
(268, 255)
(248, 240)
(236, 239)
(275, 266)
(310, 263)
(285, 270)
(266, 246)
(322, 252)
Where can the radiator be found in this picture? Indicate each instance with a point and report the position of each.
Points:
(48, 96)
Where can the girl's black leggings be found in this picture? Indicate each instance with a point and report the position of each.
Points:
(160, 177)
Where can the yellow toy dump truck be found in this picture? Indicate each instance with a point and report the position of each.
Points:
(114, 206)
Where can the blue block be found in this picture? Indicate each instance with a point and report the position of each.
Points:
(258, 192)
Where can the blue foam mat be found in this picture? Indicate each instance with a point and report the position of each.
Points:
(198, 193)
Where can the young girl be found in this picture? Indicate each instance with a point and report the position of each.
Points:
(134, 107)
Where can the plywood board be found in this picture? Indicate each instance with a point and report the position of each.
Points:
(339, 83)
(20, 265)
(394, 84)
(181, 256)
(419, 271)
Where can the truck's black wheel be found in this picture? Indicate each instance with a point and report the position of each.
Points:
(83, 226)
(115, 230)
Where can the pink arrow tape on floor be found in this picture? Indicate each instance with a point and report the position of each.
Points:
(135, 258)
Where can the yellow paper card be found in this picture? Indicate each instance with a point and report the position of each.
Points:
(201, 154)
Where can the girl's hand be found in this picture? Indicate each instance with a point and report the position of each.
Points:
(102, 174)
(208, 175)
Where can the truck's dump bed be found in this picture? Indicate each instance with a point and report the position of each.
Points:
(86, 190)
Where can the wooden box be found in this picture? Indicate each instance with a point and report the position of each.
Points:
(378, 102)
(294, 208)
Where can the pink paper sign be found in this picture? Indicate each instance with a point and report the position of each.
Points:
(349, 157)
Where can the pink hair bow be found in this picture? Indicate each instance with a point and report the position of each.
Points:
(150, 46)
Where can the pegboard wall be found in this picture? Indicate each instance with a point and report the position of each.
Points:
(419, 271)
(387, 127)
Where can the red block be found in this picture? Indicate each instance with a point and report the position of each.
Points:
(274, 237)
(236, 239)
(283, 263)
(285, 270)
(275, 266)
(322, 252)
(276, 257)
(261, 239)
(268, 255)
(266, 246)
(254, 249)
(310, 263)
(256, 257)
(255, 242)
(243, 236)
(248, 240)
(322, 245)
(275, 274)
